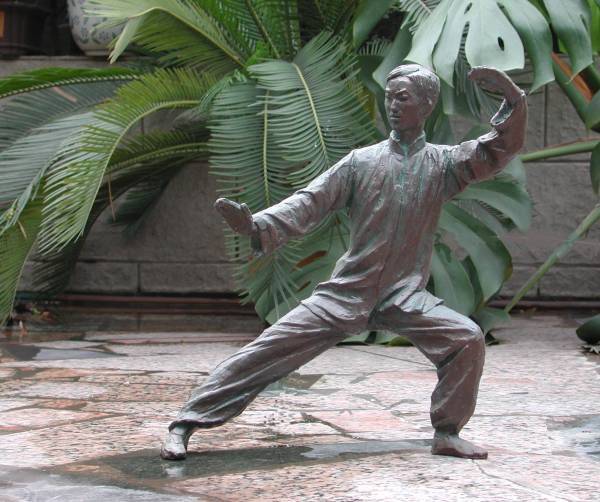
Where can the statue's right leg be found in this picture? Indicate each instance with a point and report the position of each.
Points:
(294, 340)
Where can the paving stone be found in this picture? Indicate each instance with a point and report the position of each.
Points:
(352, 425)
(17, 420)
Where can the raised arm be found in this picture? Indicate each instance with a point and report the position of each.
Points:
(295, 216)
(479, 159)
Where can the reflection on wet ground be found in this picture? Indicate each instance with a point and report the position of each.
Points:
(21, 352)
(82, 418)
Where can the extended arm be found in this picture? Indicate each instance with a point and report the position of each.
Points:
(480, 159)
(295, 216)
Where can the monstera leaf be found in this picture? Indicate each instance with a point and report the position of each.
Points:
(496, 32)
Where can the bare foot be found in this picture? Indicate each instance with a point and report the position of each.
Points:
(453, 446)
(176, 443)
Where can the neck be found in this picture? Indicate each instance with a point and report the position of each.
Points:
(408, 136)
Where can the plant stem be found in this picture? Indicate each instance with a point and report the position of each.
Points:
(559, 151)
(592, 77)
(566, 81)
(556, 255)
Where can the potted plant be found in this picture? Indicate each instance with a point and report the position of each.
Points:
(89, 36)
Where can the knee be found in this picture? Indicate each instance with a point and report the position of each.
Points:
(473, 336)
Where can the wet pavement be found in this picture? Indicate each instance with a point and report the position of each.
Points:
(81, 419)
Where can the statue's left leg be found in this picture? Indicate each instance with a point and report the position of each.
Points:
(456, 346)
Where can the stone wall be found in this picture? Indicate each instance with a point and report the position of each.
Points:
(179, 249)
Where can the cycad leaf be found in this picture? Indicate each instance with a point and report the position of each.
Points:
(137, 162)
(43, 78)
(247, 126)
(183, 29)
(15, 245)
(245, 158)
(335, 16)
(417, 12)
(315, 116)
(74, 180)
(368, 14)
(23, 114)
(25, 162)
(35, 125)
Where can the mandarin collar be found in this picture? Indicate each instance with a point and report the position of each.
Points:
(406, 149)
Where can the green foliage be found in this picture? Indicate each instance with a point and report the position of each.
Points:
(590, 330)
(75, 178)
(36, 80)
(284, 88)
(498, 31)
(15, 246)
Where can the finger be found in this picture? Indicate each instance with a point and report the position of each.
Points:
(246, 210)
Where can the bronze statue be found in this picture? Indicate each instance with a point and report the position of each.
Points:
(393, 192)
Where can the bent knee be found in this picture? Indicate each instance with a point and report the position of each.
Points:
(473, 336)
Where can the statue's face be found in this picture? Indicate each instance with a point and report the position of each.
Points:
(403, 104)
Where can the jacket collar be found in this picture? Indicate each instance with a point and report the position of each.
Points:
(406, 149)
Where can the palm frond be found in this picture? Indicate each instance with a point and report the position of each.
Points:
(74, 180)
(36, 80)
(316, 117)
(183, 30)
(269, 138)
(335, 16)
(417, 11)
(156, 146)
(132, 165)
(24, 164)
(25, 113)
(15, 245)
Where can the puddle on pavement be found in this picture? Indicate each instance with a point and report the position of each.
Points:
(581, 434)
(148, 465)
(21, 352)
(294, 382)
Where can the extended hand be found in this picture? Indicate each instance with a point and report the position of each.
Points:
(495, 81)
(237, 216)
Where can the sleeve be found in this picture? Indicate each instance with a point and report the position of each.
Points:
(302, 211)
(480, 159)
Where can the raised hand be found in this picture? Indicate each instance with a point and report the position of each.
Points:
(237, 216)
(496, 81)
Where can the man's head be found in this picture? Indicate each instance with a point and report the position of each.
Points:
(411, 94)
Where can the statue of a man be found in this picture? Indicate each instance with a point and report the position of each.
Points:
(393, 192)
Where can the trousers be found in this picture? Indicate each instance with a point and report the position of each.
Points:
(451, 341)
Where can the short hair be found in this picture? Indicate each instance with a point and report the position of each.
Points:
(421, 76)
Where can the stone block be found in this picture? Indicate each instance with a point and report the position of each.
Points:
(182, 227)
(104, 277)
(517, 280)
(562, 196)
(534, 247)
(186, 278)
(571, 282)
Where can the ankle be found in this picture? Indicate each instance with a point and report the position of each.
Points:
(441, 434)
(181, 430)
